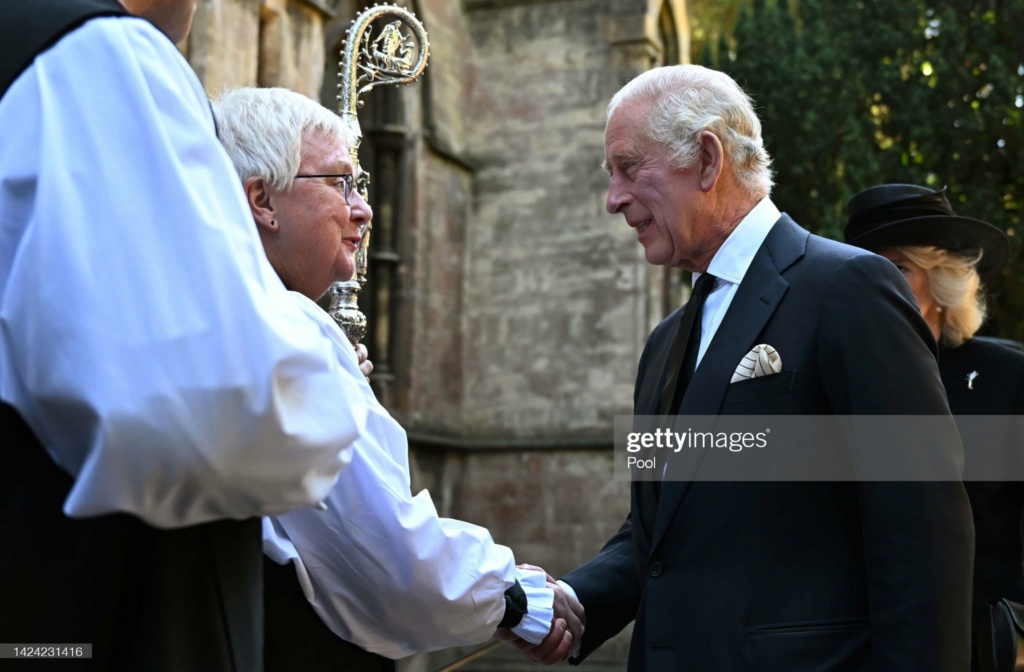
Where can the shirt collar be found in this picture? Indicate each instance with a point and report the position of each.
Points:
(736, 254)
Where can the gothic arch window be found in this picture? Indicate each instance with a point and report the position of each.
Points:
(668, 35)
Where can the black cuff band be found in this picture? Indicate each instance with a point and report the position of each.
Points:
(515, 606)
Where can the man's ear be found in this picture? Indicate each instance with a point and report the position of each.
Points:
(257, 194)
(712, 160)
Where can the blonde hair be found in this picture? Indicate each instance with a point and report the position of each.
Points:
(956, 286)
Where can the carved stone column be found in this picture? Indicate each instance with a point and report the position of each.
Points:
(292, 44)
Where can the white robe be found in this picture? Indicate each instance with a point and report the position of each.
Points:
(383, 570)
(144, 336)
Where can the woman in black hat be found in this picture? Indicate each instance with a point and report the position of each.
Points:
(945, 259)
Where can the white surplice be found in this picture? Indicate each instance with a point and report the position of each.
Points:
(144, 336)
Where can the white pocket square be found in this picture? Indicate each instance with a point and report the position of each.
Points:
(762, 360)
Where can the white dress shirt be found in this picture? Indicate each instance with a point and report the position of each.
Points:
(730, 264)
(381, 568)
(144, 336)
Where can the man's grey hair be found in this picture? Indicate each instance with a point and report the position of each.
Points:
(263, 131)
(687, 99)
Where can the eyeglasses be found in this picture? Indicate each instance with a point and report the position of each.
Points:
(361, 184)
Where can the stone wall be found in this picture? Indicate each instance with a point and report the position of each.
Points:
(266, 42)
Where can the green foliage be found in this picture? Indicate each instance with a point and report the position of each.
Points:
(859, 93)
(710, 21)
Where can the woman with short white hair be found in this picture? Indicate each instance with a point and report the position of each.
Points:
(379, 568)
(293, 156)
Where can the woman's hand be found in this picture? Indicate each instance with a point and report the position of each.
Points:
(365, 365)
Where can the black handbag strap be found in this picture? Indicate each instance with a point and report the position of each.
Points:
(1001, 638)
(1016, 614)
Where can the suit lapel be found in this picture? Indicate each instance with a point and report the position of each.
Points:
(648, 398)
(647, 401)
(756, 300)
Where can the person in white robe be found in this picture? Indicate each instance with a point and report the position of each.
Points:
(137, 305)
(379, 566)
(149, 354)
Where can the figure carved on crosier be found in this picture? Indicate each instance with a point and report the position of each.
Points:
(392, 52)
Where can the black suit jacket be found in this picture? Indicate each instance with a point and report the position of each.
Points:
(797, 576)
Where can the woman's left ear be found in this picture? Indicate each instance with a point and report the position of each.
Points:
(257, 194)
(712, 160)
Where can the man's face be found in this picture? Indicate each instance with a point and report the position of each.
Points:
(172, 17)
(663, 204)
(317, 232)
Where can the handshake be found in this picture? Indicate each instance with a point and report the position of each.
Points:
(567, 625)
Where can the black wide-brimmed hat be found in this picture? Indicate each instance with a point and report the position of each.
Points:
(896, 215)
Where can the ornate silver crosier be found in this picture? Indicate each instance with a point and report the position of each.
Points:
(368, 59)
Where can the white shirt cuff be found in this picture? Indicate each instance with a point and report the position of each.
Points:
(568, 589)
(540, 600)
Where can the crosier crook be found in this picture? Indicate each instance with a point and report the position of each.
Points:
(390, 58)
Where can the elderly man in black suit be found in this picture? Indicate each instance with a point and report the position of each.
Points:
(770, 576)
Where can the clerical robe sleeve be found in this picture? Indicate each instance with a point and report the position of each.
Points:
(385, 571)
(144, 336)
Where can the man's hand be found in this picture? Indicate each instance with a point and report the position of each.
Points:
(565, 636)
(569, 609)
(365, 365)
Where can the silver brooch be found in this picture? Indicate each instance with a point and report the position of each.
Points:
(970, 379)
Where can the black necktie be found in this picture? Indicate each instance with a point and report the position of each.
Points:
(683, 359)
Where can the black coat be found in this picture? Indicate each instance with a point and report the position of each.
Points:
(793, 577)
(998, 507)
